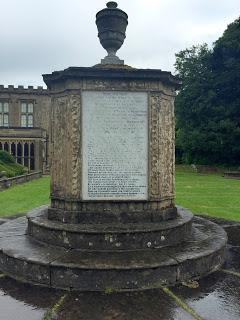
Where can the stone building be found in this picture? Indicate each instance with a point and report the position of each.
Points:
(25, 125)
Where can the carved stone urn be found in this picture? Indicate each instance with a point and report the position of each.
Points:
(111, 23)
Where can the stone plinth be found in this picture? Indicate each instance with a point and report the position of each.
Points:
(114, 125)
(112, 223)
(40, 263)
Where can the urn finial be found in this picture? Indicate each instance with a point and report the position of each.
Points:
(111, 23)
(112, 4)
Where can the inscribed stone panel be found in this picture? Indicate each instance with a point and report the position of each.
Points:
(115, 145)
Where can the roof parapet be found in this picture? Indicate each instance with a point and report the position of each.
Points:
(22, 89)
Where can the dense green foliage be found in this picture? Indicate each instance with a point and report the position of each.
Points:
(208, 104)
(6, 157)
(8, 165)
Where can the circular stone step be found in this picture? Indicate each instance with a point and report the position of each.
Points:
(31, 261)
(119, 236)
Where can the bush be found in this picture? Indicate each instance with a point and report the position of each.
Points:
(12, 169)
(6, 157)
(7, 164)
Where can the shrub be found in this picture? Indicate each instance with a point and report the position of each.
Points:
(6, 157)
(7, 164)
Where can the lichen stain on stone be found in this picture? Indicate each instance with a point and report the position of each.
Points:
(109, 238)
(193, 284)
(65, 238)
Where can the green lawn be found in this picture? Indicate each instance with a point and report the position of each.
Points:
(23, 197)
(209, 194)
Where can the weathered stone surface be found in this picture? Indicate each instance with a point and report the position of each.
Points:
(111, 23)
(69, 203)
(232, 258)
(115, 145)
(26, 260)
(110, 75)
(231, 227)
(111, 212)
(2, 220)
(66, 111)
(100, 280)
(33, 261)
(118, 236)
(216, 297)
(162, 147)
(200, 250)
(9, 229)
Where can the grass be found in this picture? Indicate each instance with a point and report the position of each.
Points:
(23, 197)
(209, 194)
(202, 193)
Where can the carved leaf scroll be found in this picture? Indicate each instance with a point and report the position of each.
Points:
(161, 147)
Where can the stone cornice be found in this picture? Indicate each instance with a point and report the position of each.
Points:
(112, 72)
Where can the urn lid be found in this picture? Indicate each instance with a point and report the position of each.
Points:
(112, 4)
(111, 9)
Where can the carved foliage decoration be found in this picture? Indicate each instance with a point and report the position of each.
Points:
(161, 179)
(66, 154)
(75, 105)
(59, 115)
(66, 146)
(154, 177)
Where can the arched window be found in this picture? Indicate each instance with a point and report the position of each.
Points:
(19, 152)
(26, 155)
(6, 147)
(32, 162)
(13, 149)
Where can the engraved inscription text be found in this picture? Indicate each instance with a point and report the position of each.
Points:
(115, 145)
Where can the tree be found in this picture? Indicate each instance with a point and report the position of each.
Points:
(193, 103)
(225, 61)
(208, 104)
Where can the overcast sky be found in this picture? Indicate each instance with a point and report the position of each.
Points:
(42, 36)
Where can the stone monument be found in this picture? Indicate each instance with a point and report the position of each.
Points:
(112, 222)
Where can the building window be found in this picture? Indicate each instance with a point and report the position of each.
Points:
(27, 114)
(4, 114)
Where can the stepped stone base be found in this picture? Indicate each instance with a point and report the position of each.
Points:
(109, 236)
(27, 259)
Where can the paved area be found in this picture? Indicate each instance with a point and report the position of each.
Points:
(214, 297)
